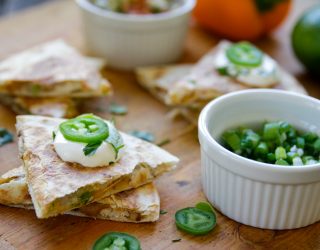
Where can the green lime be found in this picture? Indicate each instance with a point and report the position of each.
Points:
(305, 39)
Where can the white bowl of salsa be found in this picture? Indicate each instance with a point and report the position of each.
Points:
(255, 193)
(130, 40)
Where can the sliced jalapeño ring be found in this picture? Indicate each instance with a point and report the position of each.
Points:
(244, 54)
(85, 128)
(195, 221)
(116, 240)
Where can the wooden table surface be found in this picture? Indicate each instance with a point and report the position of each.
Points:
(20, 229)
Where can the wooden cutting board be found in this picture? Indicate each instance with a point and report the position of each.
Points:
(20, 229)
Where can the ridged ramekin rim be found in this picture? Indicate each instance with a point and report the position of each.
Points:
(205, 134)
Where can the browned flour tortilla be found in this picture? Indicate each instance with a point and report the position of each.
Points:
(57, 186)
(141, 204)
(60, 107)
(52, 69)
(187, 86)
(159, 79)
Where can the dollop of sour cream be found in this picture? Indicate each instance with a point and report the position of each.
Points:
(70, 151)
(266, 74)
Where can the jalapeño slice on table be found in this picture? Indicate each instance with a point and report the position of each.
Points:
(195, 221)
(119, 241)
(85, 128)
(205, 206)
(244, 54)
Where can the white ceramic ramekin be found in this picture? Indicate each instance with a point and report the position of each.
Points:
(130, 41)
(253, 193)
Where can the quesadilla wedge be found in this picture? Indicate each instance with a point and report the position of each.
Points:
(159, 79)
(53, 69)
(62, 107)
(187, 86)
(205, 82)
(137, 205)
(57, 186)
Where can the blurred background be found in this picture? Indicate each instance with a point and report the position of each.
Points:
(279, 27)
(10, 6)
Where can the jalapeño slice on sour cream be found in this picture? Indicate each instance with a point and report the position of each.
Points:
(244, 54)
(84, 128)
(89, 141)
(248, 65)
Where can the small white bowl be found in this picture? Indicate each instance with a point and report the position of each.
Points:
(130, 41)
(253, 193)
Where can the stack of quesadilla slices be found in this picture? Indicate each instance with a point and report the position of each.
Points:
(46, 79)
(122, 191)
(141, 204)
(188, 88)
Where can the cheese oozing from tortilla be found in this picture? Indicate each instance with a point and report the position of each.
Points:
(70, 151)
(267, 73)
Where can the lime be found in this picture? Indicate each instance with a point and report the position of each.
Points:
(305, 39)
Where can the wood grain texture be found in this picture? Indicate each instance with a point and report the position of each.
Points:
(20, 229)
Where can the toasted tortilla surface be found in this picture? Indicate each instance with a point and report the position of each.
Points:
(141, 204)
(52, 69)
(57, 186)
(194, 86)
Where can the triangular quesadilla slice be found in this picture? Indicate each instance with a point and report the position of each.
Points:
(59, 107)
(205, 83)
(141, 204)
(186, 86)
(52, 69)
(57, 186)
(159, 79)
